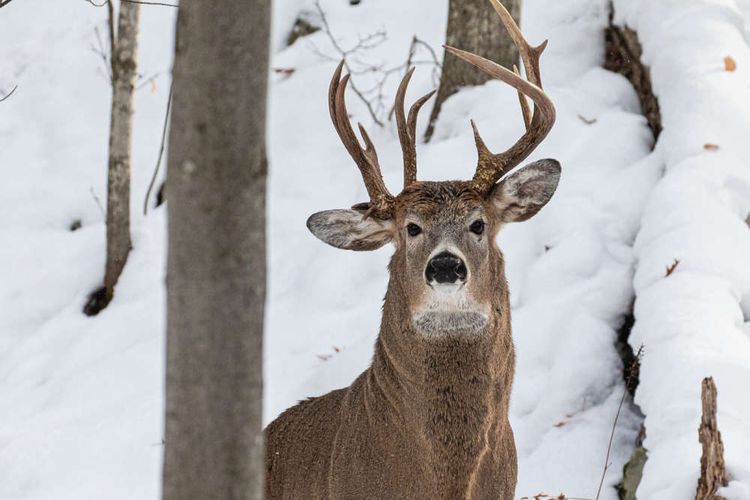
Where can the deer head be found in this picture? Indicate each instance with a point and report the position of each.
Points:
(446, 262)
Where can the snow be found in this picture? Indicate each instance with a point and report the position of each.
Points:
(82, 398)
(695, 323)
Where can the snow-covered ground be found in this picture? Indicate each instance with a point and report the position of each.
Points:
(81, 398)
(696, 322)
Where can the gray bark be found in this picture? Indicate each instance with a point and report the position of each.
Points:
(216, 252)
(473, 25)
(124, 50)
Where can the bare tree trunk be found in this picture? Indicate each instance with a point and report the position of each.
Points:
(123, 48)
(473, 25)
(216, 259)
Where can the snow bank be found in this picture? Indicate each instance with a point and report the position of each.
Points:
(695, 323)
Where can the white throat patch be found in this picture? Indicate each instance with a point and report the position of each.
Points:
(449, 311)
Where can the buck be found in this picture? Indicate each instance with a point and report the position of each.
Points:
(429, 417)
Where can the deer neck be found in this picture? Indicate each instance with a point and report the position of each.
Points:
(450, 395)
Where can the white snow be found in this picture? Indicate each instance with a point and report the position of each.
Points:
(81, 399)
(695, 323)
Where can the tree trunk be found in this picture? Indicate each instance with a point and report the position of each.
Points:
(216, 252)
(120, 140)
(473, 25)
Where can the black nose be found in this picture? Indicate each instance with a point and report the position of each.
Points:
(445, 268)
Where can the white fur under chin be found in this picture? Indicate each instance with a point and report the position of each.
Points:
(449, 311)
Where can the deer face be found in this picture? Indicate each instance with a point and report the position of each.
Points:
(446, 259)
(446, 264)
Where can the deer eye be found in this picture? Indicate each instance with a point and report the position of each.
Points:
(413, 229)
(477, 227)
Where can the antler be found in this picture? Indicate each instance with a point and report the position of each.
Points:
(381, 200)
(407, 128)
(490, 166)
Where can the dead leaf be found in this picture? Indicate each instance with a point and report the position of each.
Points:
(286, 72)
(729, 64)
(711, 147)
(672, 267)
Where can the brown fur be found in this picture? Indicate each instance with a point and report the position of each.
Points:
(429, 417)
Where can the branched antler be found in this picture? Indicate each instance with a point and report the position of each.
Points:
(491, 166)
(407, 128)
(381, 200)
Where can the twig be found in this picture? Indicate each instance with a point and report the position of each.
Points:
(142, 2)
(161, 150)
(3, 3)
(635, 364)
(363, 43)
(11, 90)
(98, 202)
(102, 52)
(545, 496)
(373, 97)
(143, 81)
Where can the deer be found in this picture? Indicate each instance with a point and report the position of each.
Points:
(428, 419)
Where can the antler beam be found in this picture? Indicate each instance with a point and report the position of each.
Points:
(407, 128)
(381, 200)
(490, 166)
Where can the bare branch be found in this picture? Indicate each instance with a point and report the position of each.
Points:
(11, 90)
(3, 3)
(98, 202)
(102, 52)
(374, 97)
(633, 370)
(142, 2)
(161, 149)
(344, 53)
(143, 80)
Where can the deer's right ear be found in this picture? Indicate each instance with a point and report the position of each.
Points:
(348, 229)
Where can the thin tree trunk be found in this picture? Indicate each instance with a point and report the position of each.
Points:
(120, 141)
(216, 255)
(473, 25)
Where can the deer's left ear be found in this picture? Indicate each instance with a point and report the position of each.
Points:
(521, 195)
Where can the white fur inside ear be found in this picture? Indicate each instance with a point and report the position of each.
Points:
(348, 229)
(522, 194)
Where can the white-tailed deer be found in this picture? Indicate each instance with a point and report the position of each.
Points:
(429, 418)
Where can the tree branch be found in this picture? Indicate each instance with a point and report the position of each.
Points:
(11, 90)
(142, 2)
(161, 149)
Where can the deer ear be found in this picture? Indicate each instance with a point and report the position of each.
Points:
(522, 194)
(350, 230)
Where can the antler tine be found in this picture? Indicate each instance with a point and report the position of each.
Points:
(525, 111)
(381, 200)
(490, 167)
(407, 128)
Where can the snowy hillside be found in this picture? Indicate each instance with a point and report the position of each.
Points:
(81, 399)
